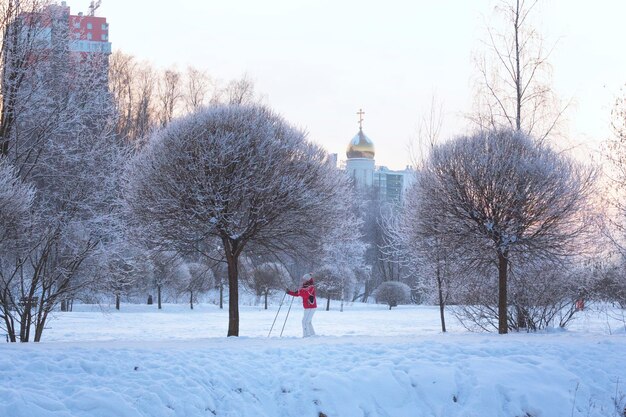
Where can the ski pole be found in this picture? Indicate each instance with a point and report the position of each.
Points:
(286, 317)
(279, 307)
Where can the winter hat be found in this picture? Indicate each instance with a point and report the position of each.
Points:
(308, 279)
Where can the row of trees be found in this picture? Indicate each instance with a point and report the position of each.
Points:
(147, 98)
(137, 180)
(199, 192)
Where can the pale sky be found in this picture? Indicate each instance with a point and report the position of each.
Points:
(317, 62)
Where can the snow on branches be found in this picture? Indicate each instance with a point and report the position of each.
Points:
(231, 176)
(499, 197)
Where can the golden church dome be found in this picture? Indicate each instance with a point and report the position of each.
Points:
(360, 147)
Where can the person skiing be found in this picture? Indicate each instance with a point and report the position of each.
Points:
(309, 302)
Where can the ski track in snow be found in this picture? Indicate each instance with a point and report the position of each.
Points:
(574, 373)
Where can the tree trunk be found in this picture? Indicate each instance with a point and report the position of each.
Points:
(117, 302)
(8, 321)
(328, 303)
(63, 305)
(191, 299)
(266, 292)
(40, 325)
(442, 304)
(522, 322)
(503, 264)
(159, 296)
(232, 255)
(518, 75)
(221, 295)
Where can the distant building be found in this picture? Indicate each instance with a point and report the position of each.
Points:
(360, 165)
(52, 58)
(90, 34)
(68, 39)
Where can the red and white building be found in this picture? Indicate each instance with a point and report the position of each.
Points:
(89, 33)
(86, 34)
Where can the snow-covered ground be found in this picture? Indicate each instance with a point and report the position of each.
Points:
(366, 361)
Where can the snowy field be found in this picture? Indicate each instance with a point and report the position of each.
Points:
(365, 361)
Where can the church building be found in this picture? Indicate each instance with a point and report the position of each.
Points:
(361, 167)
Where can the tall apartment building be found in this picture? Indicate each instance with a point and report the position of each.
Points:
(89, 33)
(54, 34)
(51, 58)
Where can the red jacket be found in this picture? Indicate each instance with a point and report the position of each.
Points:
(307, 294)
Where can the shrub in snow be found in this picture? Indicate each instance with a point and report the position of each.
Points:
(266, 278)
(392, 293)
(334, 282)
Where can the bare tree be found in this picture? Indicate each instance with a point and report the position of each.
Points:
(197, 86)
(615, 171)
(237, 91)
(199, 280)
(122, 71)
(145, 114)
(514, 90)
(169, 95)
(497, 196)
(238, 174)
(426, 259)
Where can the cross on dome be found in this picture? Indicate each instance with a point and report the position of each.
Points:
(360, 113)
(360, 147)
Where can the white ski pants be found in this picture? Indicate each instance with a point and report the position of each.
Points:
(307, 326)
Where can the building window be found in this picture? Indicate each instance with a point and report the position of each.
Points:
(77, 25)
(89, 26)
(104, 37)
(105, 26)
(89, 35)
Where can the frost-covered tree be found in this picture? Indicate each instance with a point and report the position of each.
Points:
(267, 278)
(16, 199)
(392, 293)
(238, 175)
(609, 285)
(542, 294)
(61, 141)
(198, 280)
(497, 196)
(334, 281)
(169, 271)
(124, 268)
(426, 258)
(615, 171)
(343, 257)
